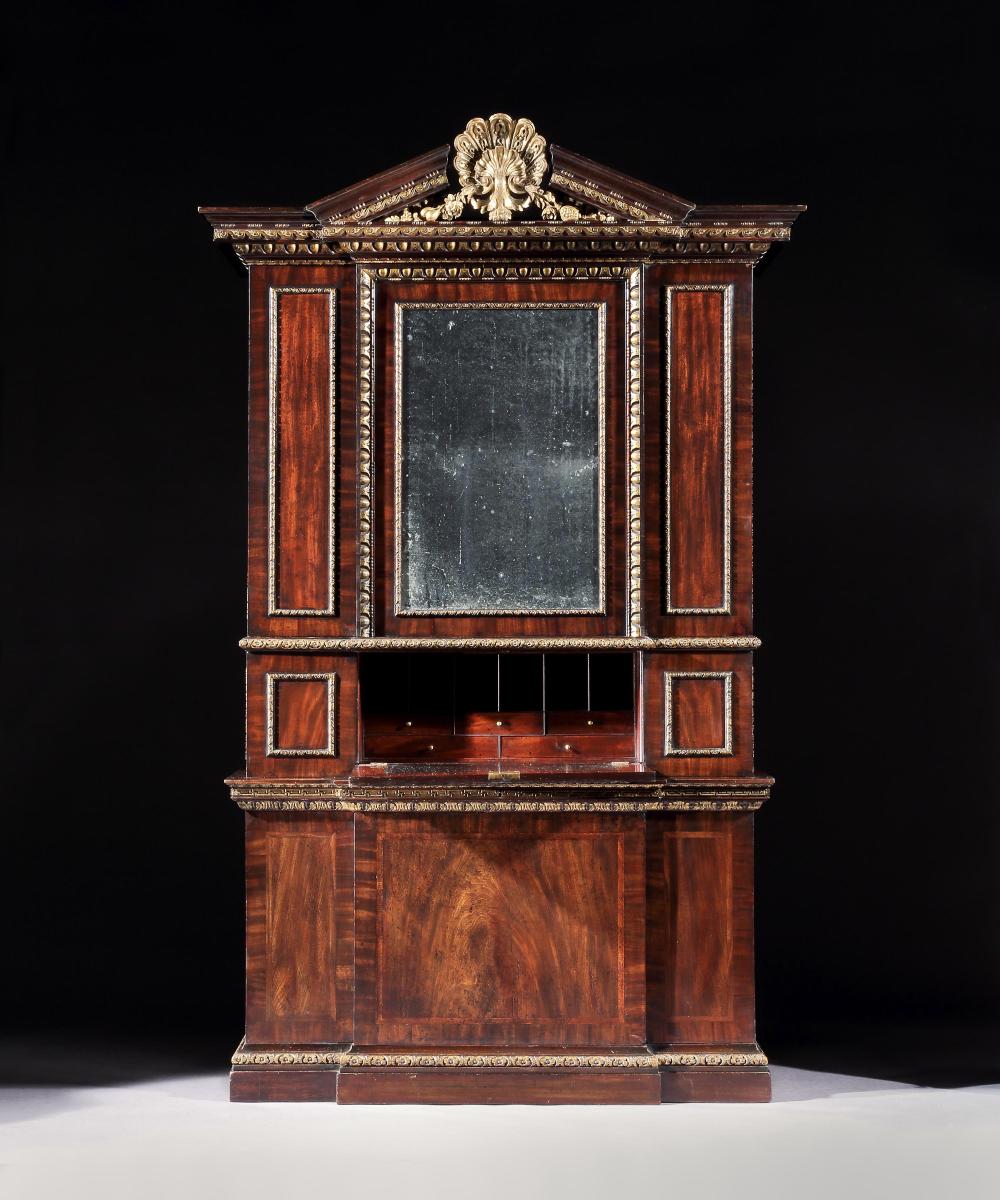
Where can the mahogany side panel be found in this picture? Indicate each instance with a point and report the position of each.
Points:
(301, 718)
(313, 706)
(304, 387)
(697, 460)
(302, 502)
(698, 711)
(697, 574)
(699, 939)
(699, 718)
(300, 925)
(500, 930)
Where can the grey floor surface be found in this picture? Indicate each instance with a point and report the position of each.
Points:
(824, 1136)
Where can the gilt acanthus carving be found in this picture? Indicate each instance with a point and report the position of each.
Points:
(501, 166)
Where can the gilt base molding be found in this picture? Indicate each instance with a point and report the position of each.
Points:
(675, 1058)
(396, 1075)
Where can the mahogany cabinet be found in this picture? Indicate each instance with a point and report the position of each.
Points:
(499, 783)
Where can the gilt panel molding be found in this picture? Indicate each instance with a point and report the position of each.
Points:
(271, 702)
(600, 308)
(672, 751)
(633, 359)
(355, 644)
(366, 473)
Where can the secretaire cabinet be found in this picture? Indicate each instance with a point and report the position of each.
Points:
(499, 783)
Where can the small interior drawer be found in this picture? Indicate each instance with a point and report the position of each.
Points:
(408, 725)
(568, 747)
(583, 721)
(429, 748)
(499, 723)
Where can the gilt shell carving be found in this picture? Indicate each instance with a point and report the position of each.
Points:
(501, 164)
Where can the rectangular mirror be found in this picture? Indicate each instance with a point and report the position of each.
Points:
(499, 465)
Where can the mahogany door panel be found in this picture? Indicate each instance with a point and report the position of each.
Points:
(699, 714)
(499, 930)
(302, 449)
(299, 928)
(388, 607)
(301, 715)
(699, 939)
(697, 450)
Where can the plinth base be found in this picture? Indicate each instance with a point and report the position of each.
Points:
(398, 1075)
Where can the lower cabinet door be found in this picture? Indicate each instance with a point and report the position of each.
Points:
(507, 929)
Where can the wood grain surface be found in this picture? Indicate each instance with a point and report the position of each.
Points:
(300, 712)
(699, 928)
(302, 476)
(300, 923)
(499, 930)
(690, 451)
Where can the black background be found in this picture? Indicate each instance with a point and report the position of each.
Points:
(876, 496)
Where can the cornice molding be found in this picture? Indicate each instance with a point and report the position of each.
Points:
(343, 234)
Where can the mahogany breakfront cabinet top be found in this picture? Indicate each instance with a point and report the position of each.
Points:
(499, 784)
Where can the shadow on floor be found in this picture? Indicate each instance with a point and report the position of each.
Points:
(929, 1056)
(106, 1060)
(939, 1056)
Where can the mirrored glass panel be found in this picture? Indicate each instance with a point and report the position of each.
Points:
(499, 458)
